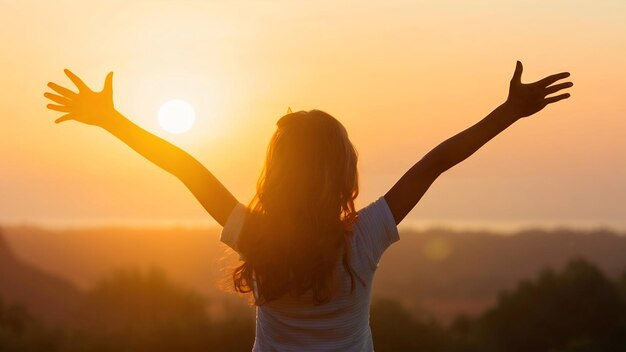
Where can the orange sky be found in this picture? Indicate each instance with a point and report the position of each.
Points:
(401, 75)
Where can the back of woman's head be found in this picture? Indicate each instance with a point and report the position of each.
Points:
(298, 227)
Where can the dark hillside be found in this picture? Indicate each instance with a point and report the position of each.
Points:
(43, 294)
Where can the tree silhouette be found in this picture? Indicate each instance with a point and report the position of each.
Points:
(134, 311)
(578, 309)
(19, 331)
(395, 329)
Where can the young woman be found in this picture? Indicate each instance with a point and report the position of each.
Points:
(307, 256)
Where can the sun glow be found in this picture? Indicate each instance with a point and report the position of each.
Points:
(176, 116)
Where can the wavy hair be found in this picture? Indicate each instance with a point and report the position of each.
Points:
(300, 220)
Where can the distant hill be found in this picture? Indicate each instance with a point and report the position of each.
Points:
(193, 257)
(447, 272)
(438, 271)
(43, 294)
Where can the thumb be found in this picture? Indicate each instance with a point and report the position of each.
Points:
(65, 117)
(517, 75)
(108, 83)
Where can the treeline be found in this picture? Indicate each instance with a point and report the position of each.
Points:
(132, 311)
(576, 309)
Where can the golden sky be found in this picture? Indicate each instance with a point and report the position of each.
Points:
(401, 75)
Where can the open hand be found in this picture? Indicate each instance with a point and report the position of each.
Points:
(528, 99)
(87, 106)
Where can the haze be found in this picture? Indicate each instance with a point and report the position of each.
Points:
(401, 75)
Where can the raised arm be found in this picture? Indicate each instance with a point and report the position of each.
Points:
(96, 108)
(523, 100)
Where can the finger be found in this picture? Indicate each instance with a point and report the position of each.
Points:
(551, 79)
(556, 98)
(77, 81)
(61, 108)
(61, 90)
(517, 75)
(108, 83)
(64, 118)
(57, 98)
(557, 87)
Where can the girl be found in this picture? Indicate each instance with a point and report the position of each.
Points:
(307, 256)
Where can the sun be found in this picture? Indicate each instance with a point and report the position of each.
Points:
(176, 116)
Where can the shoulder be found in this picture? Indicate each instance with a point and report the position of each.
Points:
(233, 226)
(377, 216)
(375, 231)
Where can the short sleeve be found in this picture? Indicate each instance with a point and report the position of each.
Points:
(376, 230)
(234, 224)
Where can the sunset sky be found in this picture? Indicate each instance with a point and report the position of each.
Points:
(401, 75)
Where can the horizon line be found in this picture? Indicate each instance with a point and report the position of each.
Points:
(495, 226)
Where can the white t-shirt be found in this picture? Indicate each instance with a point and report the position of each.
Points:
(342, 324)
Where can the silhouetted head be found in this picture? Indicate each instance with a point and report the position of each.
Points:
(299, 222)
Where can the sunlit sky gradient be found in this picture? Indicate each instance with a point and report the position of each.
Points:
(401, 75)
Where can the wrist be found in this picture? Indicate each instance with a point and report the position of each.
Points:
(112, 120)
(510, 111)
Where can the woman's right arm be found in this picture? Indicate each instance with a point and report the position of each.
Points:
(96, 108)
(523, 100)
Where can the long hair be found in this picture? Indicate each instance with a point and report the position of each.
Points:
(299, 224)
